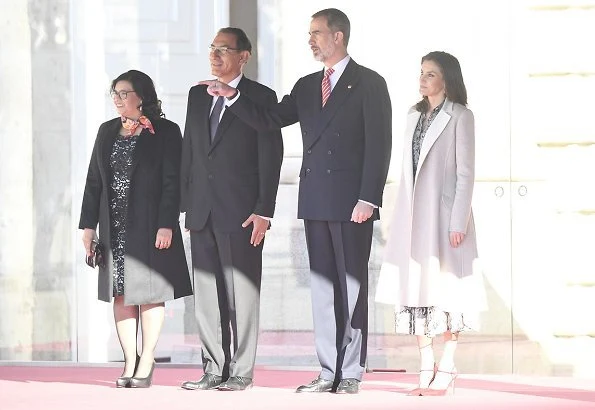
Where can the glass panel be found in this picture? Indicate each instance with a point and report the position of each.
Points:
(286, 322)
(182, 28)
(286, 337)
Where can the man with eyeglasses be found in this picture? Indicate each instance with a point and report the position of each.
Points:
(345, 116)
(230, 176)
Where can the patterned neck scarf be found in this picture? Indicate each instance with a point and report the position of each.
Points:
(131, 125)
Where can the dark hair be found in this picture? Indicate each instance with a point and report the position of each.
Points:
(145, 90)
(242, 41)
(336, 21)
(453, 78)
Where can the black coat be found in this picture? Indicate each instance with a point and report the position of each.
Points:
(347, 143)
(151, 275)
(235, 175)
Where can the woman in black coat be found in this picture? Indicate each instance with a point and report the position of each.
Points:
(133, 192)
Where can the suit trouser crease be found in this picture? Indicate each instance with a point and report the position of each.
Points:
(227, 278)
(339, 253)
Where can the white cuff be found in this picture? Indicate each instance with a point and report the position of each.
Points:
(229, 102)
(369, 203)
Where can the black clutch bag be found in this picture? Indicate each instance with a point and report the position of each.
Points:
(96, 259)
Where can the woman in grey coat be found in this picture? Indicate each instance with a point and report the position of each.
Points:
(431, 248)
(133, 193)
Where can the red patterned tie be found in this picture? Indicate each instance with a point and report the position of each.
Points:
(326, 85)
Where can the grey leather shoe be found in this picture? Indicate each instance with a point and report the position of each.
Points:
(236, 383)
(316, 386)
(207, 382)
(123, 381)
(348, 386)
(143, 382)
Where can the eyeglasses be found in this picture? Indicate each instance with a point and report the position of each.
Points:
(122, 95)
(222, 50)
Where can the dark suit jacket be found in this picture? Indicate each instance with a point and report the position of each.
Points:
(346, 143)
(151, 275)
(237, 174)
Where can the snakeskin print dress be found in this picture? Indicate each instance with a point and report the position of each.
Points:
(121, 164)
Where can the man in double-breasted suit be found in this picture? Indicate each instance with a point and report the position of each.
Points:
(230, 176)
(345, 116)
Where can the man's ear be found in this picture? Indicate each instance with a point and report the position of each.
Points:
(339, 37)
(244, 56)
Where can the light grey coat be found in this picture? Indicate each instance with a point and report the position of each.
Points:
(426, 269)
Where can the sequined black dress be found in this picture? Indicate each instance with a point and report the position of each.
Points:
(121, 164)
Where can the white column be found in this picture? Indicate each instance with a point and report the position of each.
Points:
(89, 87)
(220, 13)
(16, 192)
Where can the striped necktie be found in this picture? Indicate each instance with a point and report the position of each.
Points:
(326, 85)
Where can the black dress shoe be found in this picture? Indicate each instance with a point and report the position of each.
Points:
(143, 382)
(348, 386)
(236, 383)
(208, 381)
(316, 386)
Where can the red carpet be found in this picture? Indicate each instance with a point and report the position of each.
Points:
(81, 388)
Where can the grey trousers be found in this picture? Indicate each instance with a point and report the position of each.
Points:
(338, 254)
(227, 273)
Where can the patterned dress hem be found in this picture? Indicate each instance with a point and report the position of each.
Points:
(431, 321)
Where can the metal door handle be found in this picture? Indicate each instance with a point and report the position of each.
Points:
(499, 191)
(522, 190)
